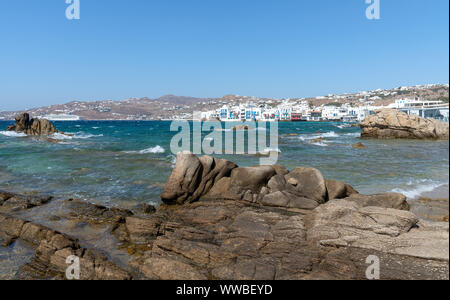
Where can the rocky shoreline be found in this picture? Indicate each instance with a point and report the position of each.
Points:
(219, 221)
(394, 124)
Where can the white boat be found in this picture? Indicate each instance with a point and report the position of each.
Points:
(62, 117)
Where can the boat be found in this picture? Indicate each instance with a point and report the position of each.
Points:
(61, 117)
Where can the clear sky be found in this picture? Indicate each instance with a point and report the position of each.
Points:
(209, 48)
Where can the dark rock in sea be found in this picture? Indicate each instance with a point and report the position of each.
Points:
(144, 209)
(358, 146)
(11, 202)
(95, 214)
(241, 127)
(34, 127)
(394, 124)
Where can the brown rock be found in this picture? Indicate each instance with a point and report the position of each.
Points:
(391, 123)
(358, 146)
(287, 200)
(241, 127)
(389, 200)
(184, 179)
(250, 180)
(32, 126)
(52, 251)
(213, 171)
(311, 184)
(339, 190)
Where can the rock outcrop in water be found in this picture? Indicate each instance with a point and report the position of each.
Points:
(35, 127)
(221, 221)
(394, 124)
(195, 178)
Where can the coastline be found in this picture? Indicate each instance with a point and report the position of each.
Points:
(171, 241)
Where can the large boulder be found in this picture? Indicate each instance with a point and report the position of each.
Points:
(391, 124)
(33, 126)
(308, 183)
(246, 183)
(208, 178)
(339, 190)
(193, 177)
(184, 179)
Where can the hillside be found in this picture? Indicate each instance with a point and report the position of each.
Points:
(182, 107)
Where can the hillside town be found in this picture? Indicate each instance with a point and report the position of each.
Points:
(302, 111)
(429, 100)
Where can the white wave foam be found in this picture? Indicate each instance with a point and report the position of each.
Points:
(70, 136)
(353, 134)
(330, 134)
(12, 134)
(418, 189)
(61, 137)
(320, 144)
(154, 150)
(268, 151)
(342, 126)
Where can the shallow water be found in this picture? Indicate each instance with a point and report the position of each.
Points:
(123, 163)
(12, 257)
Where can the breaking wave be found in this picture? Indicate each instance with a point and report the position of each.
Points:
(154, 150)
(69, 136)
(416, 189)
(330, 134)
(12, 134)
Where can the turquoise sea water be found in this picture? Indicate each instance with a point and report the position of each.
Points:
(121, 162)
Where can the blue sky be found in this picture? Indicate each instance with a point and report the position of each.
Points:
(209, 48)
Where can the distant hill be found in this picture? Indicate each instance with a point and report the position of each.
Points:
(183, 107)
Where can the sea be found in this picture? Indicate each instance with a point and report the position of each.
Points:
(124, 163)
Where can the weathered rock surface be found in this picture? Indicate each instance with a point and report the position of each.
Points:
(52, 250)
(407, 248)
(339, 190)
(388, 200)
(93, 213)
(229, 240)
(12, 202)
(193, 177)
(222, 240)
(33, 126)
(391, 124)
